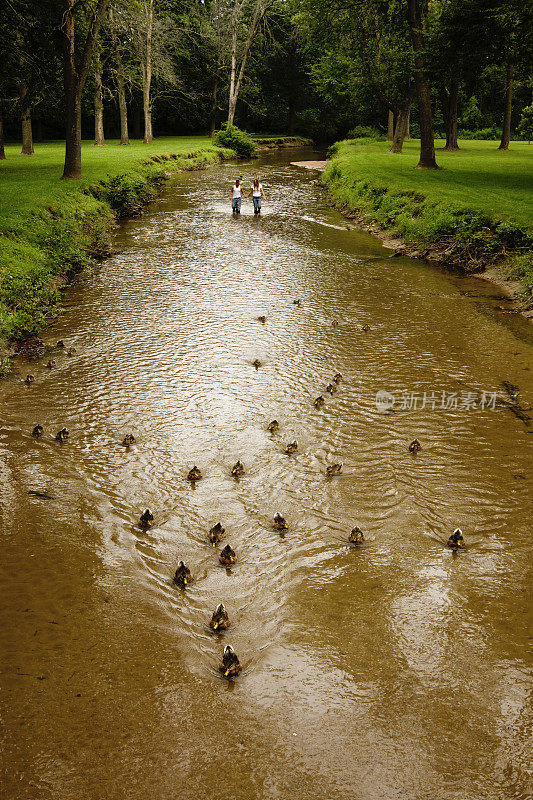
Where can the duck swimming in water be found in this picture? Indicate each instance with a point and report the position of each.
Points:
(227, 556)
(334, 469)
(256, 363)
(194, 474)
(147, 519)
(216, 533)
(262, 318)
(319, 402)
(128, 440)
(335, 323)
(280, 523)
(291, 448)
(72, 351)
(37, 431)
(331, 388)
(182, 575)
(60, 344)
(456, 540)
(238, 470)
(415, 446)
(62, 435)
(30, 378)
(297, 303)
(337, 377)
(365, 328)
(356, 536)
(273, 426)
(51, 364)
(220, 619)
(231, 665)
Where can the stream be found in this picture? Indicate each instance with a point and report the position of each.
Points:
(394, 669)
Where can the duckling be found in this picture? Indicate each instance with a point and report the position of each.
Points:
(231, 665)
(291, 448)
(51, 364)
(334, 469)
(331, 388)
(72, 351)
(182, 575)
(62, 435)
(297, 302)
(337, 377)
(365, 328)
(415, 446)
(262, 318)
(227, 556)
(238, 470)
(128, 440)
(147, 519)
(273, 426)
(319, 402)
(456, 540)
(280, 523)
(256, 363)
(37, 431)
(216, 533)
(356, 536)
(29, 379)
(194, 474)
(220, 620)
(60, 344)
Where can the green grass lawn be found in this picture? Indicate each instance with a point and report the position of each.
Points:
(30, 183)
(478, 176)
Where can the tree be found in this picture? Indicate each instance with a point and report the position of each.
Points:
(525, 127)
(427, 141)
(99, 138)
(115, 32)
(237, 69)
(75, 70)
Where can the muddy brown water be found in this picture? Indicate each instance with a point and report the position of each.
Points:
(394, 670)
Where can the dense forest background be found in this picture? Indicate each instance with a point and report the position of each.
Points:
(314, 68)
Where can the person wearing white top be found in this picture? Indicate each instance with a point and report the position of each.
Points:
(257, 193)
(236, 195)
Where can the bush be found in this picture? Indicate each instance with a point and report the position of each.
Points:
(364, 132)
(237, 140)
(525, 127)
(493, 133)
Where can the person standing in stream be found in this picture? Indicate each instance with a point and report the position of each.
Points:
(257, 193)
(236, 197)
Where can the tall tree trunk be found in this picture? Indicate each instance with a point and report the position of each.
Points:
(400, 130)
(2, 146)
(147, 75)
(390, 126)
(236, 80)
(427, 140)
(25, 119)
(408, 127)
(506, 130)
(214, 108)
(99, 138)
(74, 76)
(450, 115)
(121, 84)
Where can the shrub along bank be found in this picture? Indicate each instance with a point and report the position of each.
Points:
(475, 212)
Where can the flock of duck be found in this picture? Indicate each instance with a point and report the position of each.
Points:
(220, 621)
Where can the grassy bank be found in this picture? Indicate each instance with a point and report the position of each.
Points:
(50, 229)
(474, 212)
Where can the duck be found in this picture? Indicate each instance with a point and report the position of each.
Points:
(291, 448)
(334, 469)
(128, 440)
(256, 363)
(456, 540)
(29, 379)
(194, 474)
(415, 446)
(365, 328)
(216, 533)
(273, 426)
(60, 344)
(319, 402)
(147, 519)
(37, 431)
(297, 302)
(356, 536)
(182, 575)
(227, 556)
(220, 620)
(238, 470)
(62, 435)
(262, 318)
(335, 323)
(331, 388)
(51, 364)
(231, 666)
(280, 523)
(71, 352)
(337, 378)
